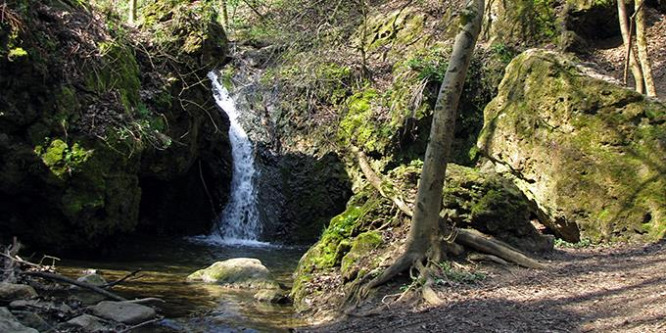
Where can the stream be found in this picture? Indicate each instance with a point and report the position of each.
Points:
(196, 307)
(166, 263)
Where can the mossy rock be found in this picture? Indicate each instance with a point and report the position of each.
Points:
(236, 273)
(588, 152)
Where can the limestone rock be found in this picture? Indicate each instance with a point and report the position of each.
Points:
(11, 291)
(87, 322)
(271, 296)
(237, 272)
(8, 323)
(124, 312)
(587, 152)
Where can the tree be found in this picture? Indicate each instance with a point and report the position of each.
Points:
(132, 11)
(631, 56)
(641, 43)
(425, 236)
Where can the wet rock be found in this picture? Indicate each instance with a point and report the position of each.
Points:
(93, 279)
(86, 322)
(271, 296)
(8, 323)
(12, 291)
(31, 319)
(237, 272)
(41, 305)
(124, 312)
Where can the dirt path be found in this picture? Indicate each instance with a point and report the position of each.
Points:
(619, 289)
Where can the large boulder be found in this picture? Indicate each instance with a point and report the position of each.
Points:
(237, 273)
(11, 291)
(589, 153)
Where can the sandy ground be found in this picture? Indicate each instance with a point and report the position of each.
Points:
(601, 289)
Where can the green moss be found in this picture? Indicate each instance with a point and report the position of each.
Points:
(61, 158)
(591, 149)
(117, 71)
(361, 246)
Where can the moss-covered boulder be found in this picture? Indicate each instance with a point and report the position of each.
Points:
(97, 120)
(369, 233)
(588, 152)
(236, 273)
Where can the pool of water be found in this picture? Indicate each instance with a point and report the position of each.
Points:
(197, 307)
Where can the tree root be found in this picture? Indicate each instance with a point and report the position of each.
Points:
(481, 242)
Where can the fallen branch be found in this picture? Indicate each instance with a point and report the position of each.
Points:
(121, 280)
(60, 278)
(147, 322)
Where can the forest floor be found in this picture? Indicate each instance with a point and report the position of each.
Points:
(597, 289)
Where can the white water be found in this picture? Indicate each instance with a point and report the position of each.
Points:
(239, 222)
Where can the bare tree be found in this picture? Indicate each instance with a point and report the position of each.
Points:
(132, 11)
(641, 43)
(425, 236)
(631, 61)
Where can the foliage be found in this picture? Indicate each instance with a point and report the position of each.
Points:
(583, 243)
(458, 274)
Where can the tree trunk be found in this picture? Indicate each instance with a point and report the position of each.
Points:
(132, 11)
(225, 14)
(641, 43)
(425, 234)
(631, 56)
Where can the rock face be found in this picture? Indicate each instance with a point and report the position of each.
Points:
(8, 323)
(89, 128)
(237, 273)
(588, 153)
(10, 292)
(87, 322)
(124, 312)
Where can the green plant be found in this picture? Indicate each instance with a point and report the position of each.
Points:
(458, 275)
(583, 243)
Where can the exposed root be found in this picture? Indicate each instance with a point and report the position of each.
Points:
(480, 242)
(403, 263)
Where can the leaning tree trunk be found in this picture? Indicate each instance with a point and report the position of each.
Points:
(641, 43)
(132, 11)
(425, 235)
(225, 13)
(631, 56)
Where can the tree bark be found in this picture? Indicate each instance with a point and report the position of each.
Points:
(641, 43)
(132, 11)
(225, 13)
(630, 56)
(425, 233)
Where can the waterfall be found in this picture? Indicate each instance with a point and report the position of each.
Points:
(239, 222)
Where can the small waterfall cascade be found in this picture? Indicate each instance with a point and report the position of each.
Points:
(239, 222)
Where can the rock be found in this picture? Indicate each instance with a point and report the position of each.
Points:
(42, 305)
(237, 272)
(93, 279)
(8, 323)
(86, 322)
(587, 152)
(12, 291)
(124, 312)
(271, 296)
(31, 319)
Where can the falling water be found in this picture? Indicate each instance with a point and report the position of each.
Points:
(239, 222)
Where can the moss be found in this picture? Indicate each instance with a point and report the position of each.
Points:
(117, 71)
(361, 246)
(589, 155)
(61, 158)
